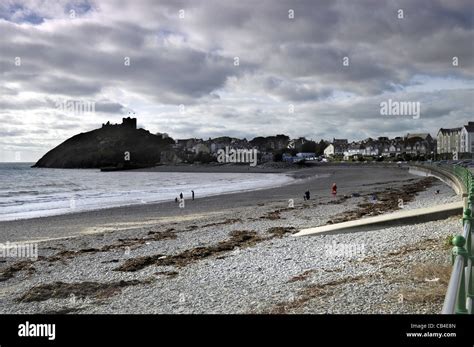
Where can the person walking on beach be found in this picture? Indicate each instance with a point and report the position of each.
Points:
(334, 190)
(192, 192)
(306, 195)
(181, 196)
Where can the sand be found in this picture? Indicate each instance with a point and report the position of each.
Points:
(317, 180)
(236, 254)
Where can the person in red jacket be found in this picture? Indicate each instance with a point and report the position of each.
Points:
(334, 190)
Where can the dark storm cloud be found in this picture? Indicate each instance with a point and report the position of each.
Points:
(173, 74)
(282, 60)
(312, 44)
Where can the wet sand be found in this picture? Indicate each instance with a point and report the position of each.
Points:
(318, 180)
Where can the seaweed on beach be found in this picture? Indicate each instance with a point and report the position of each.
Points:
(122, 243)
(281, 231)
(387, 201)
(169, 274)
(61, 290)
(301, 277)
(225, 222)
(273, 215)
(238, 239)
(10, 271)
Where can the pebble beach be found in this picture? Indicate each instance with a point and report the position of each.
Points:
(236, 253)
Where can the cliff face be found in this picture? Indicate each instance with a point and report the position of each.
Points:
(106, 147)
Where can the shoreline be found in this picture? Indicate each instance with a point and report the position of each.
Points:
(296, 173)
(291, 178)
(317, 179)
(236, 254)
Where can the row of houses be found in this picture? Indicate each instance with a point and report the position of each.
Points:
(265, 146)
(413, 144)
(448, 141)
(211, 146)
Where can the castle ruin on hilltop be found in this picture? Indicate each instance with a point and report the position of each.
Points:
(126, 123)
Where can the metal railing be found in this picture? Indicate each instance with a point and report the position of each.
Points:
(465, 175)
(460, 294)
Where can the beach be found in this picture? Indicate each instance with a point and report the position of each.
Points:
(317, 179)
(235, 253)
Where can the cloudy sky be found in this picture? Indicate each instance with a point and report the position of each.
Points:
(206, 68)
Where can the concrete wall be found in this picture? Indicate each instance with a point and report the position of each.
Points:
(444, 176)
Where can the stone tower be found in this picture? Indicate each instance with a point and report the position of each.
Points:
(129, 122)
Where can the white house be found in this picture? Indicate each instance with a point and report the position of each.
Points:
(449, 140)
(338, 146)
(467, 138)
(329, 151)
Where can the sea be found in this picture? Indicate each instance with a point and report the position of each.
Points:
(27, 192)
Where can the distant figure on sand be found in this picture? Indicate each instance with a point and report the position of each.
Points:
(192, 192)
(334, 190)
(181, 196)
(176, 199)
(306, 195)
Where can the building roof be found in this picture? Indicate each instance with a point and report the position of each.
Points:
(469, 127)
(449, 131)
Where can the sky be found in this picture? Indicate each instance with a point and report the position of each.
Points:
(208, 68)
